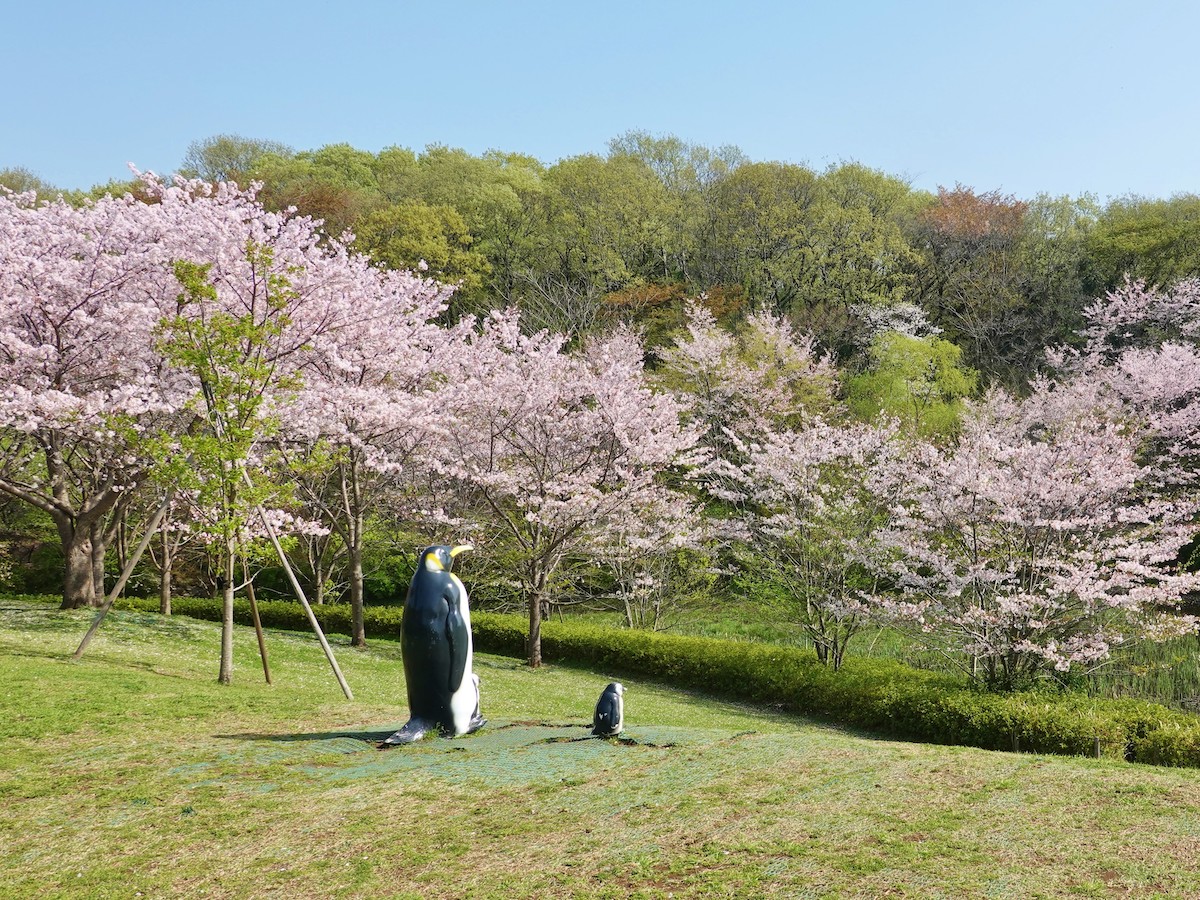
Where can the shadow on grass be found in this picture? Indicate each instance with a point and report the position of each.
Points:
(39, 653)
(110, 663)
(48, 620)
(377, 736)
(372, 737)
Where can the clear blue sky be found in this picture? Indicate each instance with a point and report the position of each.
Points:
(1060, 96)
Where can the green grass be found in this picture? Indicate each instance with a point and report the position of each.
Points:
(133, 773)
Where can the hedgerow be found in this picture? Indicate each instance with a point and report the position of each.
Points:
(886, 696)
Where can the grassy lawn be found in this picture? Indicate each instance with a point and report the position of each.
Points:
(132, 773)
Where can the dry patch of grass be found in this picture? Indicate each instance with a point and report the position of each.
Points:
(133, 773)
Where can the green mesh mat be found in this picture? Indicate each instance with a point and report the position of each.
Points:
(499, 755)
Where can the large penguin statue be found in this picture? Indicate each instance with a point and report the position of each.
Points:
(609, 718)
(435, 642)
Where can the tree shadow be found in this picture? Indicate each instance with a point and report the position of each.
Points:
(68, 656)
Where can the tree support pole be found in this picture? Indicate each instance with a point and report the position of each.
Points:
(287, 567)
(151, 530)
(258, 632)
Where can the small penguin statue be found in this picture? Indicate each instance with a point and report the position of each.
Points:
(609, 718)
(435, 643)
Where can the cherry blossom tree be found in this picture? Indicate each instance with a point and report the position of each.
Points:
(1141, 349)
(658, 561)
(1028, 545)
(556, 450)
(81, 292)
(236, 359)
(88, 399)
(813, 506)
(368, 407)
(767, 375)
(1143, 345)
(800, 497)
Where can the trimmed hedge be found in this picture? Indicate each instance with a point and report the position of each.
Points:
(881, 696)
(887, 697)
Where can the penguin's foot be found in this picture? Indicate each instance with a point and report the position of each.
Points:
(477, 722)
(413, 731)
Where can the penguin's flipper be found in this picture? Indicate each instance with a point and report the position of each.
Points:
(458, 635)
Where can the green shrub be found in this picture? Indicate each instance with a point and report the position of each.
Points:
(1173, 743)
(492, 633)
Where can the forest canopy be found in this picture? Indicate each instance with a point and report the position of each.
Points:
(628, 235)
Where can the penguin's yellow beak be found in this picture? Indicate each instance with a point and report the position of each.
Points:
(461, 548)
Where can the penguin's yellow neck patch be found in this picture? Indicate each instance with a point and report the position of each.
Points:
(433, 564)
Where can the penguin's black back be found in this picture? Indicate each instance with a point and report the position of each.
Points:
(426, 629)
(606, 720)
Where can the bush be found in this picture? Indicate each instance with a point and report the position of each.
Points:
(1171, 744)
(882, 696)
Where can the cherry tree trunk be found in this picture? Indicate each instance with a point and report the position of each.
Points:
(358, 635)
(534, 643)
(355, 525)
(79, 585)
(99, 544)
(164, 584)
(225, 676)
(85, 543)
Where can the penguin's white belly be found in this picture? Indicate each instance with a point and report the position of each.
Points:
(465, 700)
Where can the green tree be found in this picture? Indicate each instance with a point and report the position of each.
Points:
(682, 167)
(232, 358)
(919, 380)
(228, 157)
(1156, 241)
(500, 197)
(599, 228)
(812, 247)
(345, 165)
(688, 173)
(335, 184)
(509, 222)
(861, 255)
(20, 180)
(411, 233)
(757, 231)
(394, 168)
(1058, 279)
